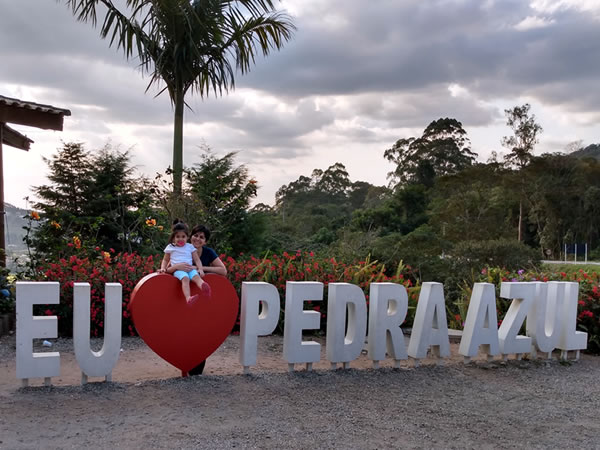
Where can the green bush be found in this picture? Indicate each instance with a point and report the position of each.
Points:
(506, 253)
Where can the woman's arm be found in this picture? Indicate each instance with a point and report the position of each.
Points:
(216, 266)
(198, 263)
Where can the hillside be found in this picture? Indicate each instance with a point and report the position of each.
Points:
(591, 151)
(13, 229)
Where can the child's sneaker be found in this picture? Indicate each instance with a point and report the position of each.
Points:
(205, 289)
(193, 299)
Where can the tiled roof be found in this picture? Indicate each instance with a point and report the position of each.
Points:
(33, 106)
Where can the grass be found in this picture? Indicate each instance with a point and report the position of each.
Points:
(569, 268)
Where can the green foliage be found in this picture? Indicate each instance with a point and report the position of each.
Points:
(217, 194)
(311, 212)
(570, 268)
(7, 297)
(402, 211)
(225, 190)
(506, 253)
(93, 200)
(473, 205)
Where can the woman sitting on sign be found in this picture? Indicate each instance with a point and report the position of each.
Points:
(211, 263)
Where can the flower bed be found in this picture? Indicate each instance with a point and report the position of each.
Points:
(95, 268)
(98, 267)
(588, 313)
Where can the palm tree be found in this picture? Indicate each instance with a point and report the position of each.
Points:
(189, 44)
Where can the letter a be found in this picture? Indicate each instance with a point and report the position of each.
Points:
(481, 326)
(430, 328)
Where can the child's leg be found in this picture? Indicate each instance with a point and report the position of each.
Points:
(203, 285)
(185, 286)
(198, 280)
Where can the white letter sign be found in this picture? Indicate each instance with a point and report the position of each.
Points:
(253, 324)
(97, 364)
(29, 364)
(430, 328)
(345, 346)
(481, 326)
(388, 305)
(523, 295)
(543, 321)
(296, 319)
(569, 338)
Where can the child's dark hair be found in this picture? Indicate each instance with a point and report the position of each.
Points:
(178, 226)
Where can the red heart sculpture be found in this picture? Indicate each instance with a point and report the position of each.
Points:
(183, 335)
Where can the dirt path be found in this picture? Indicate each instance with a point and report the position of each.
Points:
(529, 404)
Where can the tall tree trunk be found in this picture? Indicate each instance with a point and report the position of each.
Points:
(520, 220)
(178, 143)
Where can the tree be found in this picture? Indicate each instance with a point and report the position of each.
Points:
(521, 145)
(70, 176)
(310, 211)
(525, 135)
(223, 192)
(472, 205)
(443, 149)
(93, 197)
(189, 44)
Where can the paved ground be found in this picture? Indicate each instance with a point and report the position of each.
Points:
(525, 404)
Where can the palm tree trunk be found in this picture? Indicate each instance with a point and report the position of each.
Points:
(178, 143)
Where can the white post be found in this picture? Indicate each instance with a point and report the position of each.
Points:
(565, 252)
(575, 252)
(586, 252)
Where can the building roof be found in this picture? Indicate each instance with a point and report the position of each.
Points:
(33, 106)
(15, 139)
(31, 114)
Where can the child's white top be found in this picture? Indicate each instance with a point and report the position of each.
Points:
(181, 254)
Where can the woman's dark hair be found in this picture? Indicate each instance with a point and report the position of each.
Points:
(201, 229)
(178, 226)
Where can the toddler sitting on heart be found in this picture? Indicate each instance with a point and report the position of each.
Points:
(180, 251)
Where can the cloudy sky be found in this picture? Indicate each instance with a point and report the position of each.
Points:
(357, 76)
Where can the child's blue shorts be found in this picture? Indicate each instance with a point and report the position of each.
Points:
(180, 274)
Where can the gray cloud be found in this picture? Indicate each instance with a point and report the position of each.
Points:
(354, 73)
(413, 45)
